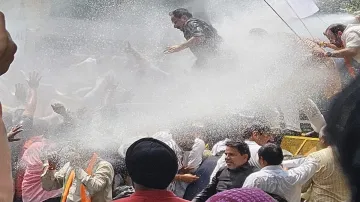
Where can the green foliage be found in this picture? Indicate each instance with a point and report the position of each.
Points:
(332, 6)
(353, 6)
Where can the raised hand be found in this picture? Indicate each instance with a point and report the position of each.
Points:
(13, 132)
(59, 108)
(20, 92)
(34, 80)
(7, 47)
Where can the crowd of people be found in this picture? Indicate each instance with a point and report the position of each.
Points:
(243, 161)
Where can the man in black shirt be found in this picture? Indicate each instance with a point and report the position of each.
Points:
(202, 39)
(233, 175)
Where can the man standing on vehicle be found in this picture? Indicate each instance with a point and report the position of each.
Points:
(202, 38)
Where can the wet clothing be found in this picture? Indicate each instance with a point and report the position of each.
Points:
(99, 184)
(351, 38)
(209, 44)
(31, 183)
(226, 179)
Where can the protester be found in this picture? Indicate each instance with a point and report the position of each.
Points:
(31, 162)
(202, 39)
(85, 177)
(188, 139)
(255, 136)
(25, 117)
(342, 130)
(274, 180)
(184, 175)
(345, 41)
(152, 166)
(233, 174)
(328, 183)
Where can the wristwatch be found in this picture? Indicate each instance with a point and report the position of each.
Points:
(329, 54)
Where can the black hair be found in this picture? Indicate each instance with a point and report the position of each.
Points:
(261, 128)
(335, 28)
(271, 153)
(178, 13)
(241, 146)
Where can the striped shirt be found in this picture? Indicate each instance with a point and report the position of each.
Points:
(328, 183)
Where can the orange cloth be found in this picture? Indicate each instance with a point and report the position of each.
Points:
(83, 195)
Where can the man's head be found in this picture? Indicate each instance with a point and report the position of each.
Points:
(236, 154)
(270, 155)
(334, 33)
(179, 17)
(151, 164)
(259, 133)
(258, 32)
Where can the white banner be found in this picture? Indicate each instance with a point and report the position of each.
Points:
(292, 8)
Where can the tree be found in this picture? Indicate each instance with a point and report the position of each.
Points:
(332, 6)
(353, 6)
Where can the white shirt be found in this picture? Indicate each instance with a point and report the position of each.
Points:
(351, 38)
(219, 147)
(287, 184)
(254, 159)
(191, 159)
(194, 159)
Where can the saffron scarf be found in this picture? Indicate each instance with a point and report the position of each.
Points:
(84, 197)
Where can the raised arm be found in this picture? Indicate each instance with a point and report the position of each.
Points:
(33, 83)
(52, 179)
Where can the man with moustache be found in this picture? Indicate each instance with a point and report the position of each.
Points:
(233, 174)
(202, 38)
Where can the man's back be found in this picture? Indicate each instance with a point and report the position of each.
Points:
(152, 196)
(287, 184)
(328, 183)
(196, 28)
